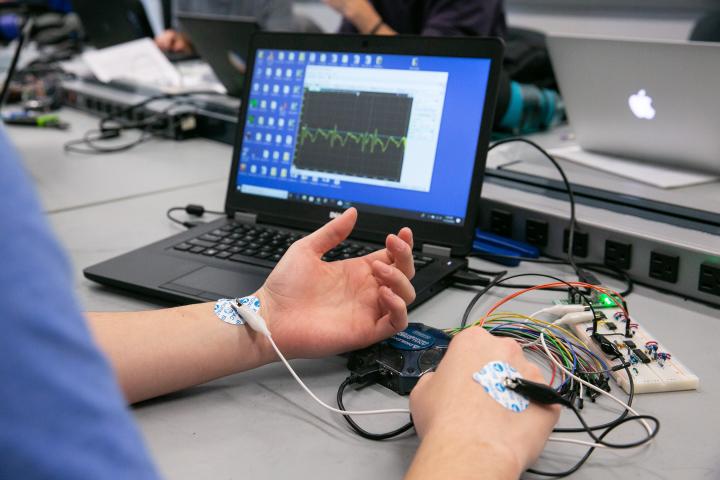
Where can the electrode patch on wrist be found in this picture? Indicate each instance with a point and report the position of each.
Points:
(493, 376)
(225, 311)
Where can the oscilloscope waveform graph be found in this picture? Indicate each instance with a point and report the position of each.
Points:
(367, 141)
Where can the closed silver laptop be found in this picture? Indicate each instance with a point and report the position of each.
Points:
(656, 101)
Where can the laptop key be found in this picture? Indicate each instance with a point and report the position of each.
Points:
(223, 255)
(234, 249)
(210, 238)
(211, 252)
(182, 246)
(197, 250)
(201, 243)
(262, 255)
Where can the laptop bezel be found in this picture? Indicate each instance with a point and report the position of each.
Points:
(191, 21)
(371, 226)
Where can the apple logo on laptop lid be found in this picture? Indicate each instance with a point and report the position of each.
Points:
(641, 105)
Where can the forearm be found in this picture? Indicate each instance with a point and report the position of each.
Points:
(368, 21)
(158, 352)
(459, 455)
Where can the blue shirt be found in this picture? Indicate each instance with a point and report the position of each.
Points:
(61, 412)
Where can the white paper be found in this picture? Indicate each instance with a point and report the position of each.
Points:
(657, 175)
(139, 61)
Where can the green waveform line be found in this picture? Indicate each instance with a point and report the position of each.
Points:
(366, 140)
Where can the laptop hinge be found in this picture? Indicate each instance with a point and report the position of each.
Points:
(244, 217)
(436, 250)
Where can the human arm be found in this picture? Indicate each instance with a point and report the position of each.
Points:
(313, 309)
(362, 15)
(465, 433)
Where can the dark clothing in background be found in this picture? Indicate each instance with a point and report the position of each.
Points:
(440, 17)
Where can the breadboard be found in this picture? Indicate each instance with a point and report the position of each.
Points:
(658, 375)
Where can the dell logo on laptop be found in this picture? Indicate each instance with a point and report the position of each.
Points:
(335, 214)
(641, 105)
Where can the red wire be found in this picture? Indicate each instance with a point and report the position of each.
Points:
(555, 285)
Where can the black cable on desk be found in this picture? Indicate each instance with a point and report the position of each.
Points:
(113, 124)
(190, 209)
(358, 429)
(609, 427)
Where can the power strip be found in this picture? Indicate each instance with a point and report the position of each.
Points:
(654, 367)
(665, 256)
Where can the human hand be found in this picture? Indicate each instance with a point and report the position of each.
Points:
(173, 41)
(449, 408)
(360, 13)
(315, 308)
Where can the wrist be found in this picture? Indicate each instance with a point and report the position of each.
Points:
(365, 19)
(265, 351)
(469, 447)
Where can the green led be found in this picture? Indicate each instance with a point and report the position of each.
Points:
(605, 299)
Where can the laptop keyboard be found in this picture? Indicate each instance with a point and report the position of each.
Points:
(237, 242)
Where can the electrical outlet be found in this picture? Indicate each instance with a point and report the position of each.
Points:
(618, 254)
(664, 267)
(710, 278)
(501, 223)
(581, 243)
(536, 232)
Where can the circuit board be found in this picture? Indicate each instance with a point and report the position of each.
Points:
(654, 367)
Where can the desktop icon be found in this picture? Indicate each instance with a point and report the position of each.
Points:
(641, 105)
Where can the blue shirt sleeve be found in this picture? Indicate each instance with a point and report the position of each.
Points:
(62, 414)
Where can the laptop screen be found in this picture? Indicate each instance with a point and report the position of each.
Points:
(389, 134)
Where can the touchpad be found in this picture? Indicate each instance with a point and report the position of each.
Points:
(213, 283)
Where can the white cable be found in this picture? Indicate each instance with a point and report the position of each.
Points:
(332, 409)
(593, 387)
(257, 323)
(576, 442)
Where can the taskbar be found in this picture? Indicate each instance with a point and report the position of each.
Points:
(364, 207)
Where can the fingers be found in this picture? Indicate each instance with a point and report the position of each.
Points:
(398, 250)
(331, 234)
(407, 236)
(396, 280)
(401, 252)
(397, 318)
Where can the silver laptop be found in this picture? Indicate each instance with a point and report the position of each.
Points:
(656, 101)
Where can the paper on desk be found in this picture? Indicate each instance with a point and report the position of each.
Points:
(657, 175)
(139, 61)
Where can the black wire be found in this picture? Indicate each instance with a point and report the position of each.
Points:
(598, 267)
(609, 427)
(501, 278)
(187, 224)
(568, 187)
(111, 125)
(496, 279)
(358, 429)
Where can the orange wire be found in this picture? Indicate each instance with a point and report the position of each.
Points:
(604, 290)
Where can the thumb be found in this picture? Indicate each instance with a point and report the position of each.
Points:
(332, 233)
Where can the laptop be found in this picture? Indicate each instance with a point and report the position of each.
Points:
(112, 23)
(397, 127)
(223, 42)
(654, 101)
